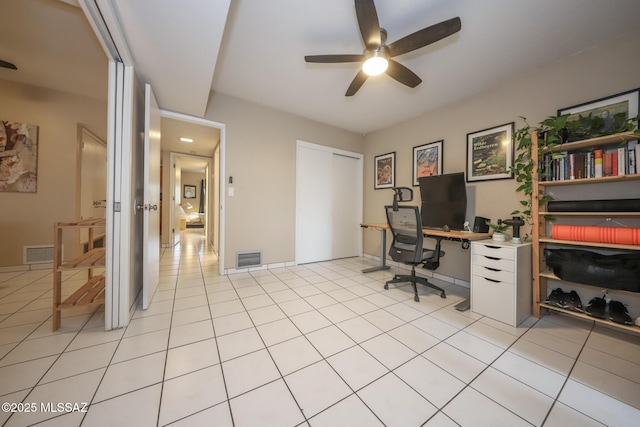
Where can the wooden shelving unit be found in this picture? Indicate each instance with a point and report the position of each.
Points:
(540, 214)
(91, 293)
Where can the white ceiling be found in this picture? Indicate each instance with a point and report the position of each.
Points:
(260, 57)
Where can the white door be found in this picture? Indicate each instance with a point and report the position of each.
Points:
(346, 207)
(313, 201)
(151, 202)
(328, 203)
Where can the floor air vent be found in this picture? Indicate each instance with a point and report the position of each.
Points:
(37, 254)
(248, 259)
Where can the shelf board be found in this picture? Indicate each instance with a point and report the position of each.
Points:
(86, 222)
(590, 244)
(91, 293)
(594, 214)
(92, 259)
(595, 142)
(630, 328)
(582, 181)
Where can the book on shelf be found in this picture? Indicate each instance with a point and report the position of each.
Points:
(613, 160)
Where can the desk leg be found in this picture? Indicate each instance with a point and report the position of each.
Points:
(463, 305)
(383, 265)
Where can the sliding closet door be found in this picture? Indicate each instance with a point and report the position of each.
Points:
(313, 201)
(347, 210)
(328, 203)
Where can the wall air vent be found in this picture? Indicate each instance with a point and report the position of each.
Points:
(37, 254)
(248, 259)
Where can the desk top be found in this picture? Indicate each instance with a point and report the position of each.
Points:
(453, 234)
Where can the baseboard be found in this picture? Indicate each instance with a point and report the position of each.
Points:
(26, 267)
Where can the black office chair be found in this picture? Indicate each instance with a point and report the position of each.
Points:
(405, 224)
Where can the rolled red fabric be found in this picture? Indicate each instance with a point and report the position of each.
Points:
(595, 234)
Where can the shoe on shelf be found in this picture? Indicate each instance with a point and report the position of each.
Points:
(556, 298)
(572, 302)
(618, 313)
(597, 308)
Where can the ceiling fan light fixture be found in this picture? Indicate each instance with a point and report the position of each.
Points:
(375, 64)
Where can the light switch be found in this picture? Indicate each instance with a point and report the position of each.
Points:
(231, 192)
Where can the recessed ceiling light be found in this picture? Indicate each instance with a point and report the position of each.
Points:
(186, 139)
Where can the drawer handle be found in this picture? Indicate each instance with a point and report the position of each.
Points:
(492, 247)
(492, 258)
(492, 280)
(492, 269)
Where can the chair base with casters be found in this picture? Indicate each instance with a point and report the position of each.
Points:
(414, 280)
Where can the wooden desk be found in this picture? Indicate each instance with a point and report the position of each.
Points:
(456, 235)
(439, 235)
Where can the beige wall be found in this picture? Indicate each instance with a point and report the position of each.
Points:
(261, 158)
(28, 218)
(599, 72)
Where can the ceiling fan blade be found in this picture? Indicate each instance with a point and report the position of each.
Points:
(425, 37)
(368, 23)
(403, 74)
(330, 59)
(9, 65)
(357, 83)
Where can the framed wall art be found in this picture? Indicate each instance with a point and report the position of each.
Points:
(189, 192)
(427, 160)
(602, 116)
(490, 153)
(18, 157)
(385, 170)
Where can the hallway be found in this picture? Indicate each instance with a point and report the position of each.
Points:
(314, 345)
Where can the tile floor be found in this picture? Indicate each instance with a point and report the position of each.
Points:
(314, 345)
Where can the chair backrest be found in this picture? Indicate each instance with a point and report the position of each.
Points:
(405, 223)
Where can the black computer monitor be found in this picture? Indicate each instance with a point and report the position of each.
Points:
(444, 201)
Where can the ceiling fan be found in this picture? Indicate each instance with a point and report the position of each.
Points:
(9, 65)
(377, 55)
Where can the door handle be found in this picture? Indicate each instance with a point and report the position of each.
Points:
(146, 207)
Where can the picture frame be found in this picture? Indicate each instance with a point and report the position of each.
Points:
(18, 157)
(490, 153)
(384, 171)
(625, 105)
(189, 192)
(427, 160)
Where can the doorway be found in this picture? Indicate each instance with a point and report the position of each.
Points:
(204, 145)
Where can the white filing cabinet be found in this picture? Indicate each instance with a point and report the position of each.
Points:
(501, 280)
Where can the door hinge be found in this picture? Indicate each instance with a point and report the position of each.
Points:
(116, 206)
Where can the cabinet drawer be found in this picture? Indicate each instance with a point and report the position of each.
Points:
(494, 274)
(494, 251)
(493, 299)
(495, 263)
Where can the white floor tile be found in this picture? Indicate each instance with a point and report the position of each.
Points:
(330, 340)
(388, 351)
(613, 385)
(263, 315)
(270, 405)
(294, 354)
(472, 345)
(130, 375)
(518, 397)
(247, 372)
(239, 343)
(561, 416)
(414, 338)
(191, 357)
(193, 332)
(220, 413)
(79, 361)
(471, 408)
(395, 403)
(278, 331)
(317, 387)
(534, 375)
(454, 361)
(185, 395)
(359, 329)
(138, 408)
(232, 323)
(337, 313)
(141, 345)
(310, 321)
(432, 382)
(349, 412)
(357, 367)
